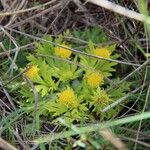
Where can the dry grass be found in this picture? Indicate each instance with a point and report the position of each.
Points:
(39, 17)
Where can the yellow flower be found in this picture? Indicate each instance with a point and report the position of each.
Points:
(32, 72)
(102, 52)
(94, 79)
(67, 97)
(62, 52)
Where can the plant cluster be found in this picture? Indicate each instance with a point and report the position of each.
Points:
(70, 85)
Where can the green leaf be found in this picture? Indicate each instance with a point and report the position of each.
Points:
(42, 89)
(95, 34)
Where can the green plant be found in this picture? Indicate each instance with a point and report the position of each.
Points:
(69, 85)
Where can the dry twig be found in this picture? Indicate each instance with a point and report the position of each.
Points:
(121, 10)
(5, 145)
(113, 139)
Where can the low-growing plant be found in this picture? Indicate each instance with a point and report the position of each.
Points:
(70, 85)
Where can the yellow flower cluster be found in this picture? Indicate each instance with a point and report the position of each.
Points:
(62, 52)
(67, 97)
(102, 52)
(94, 79)
(32, 72)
